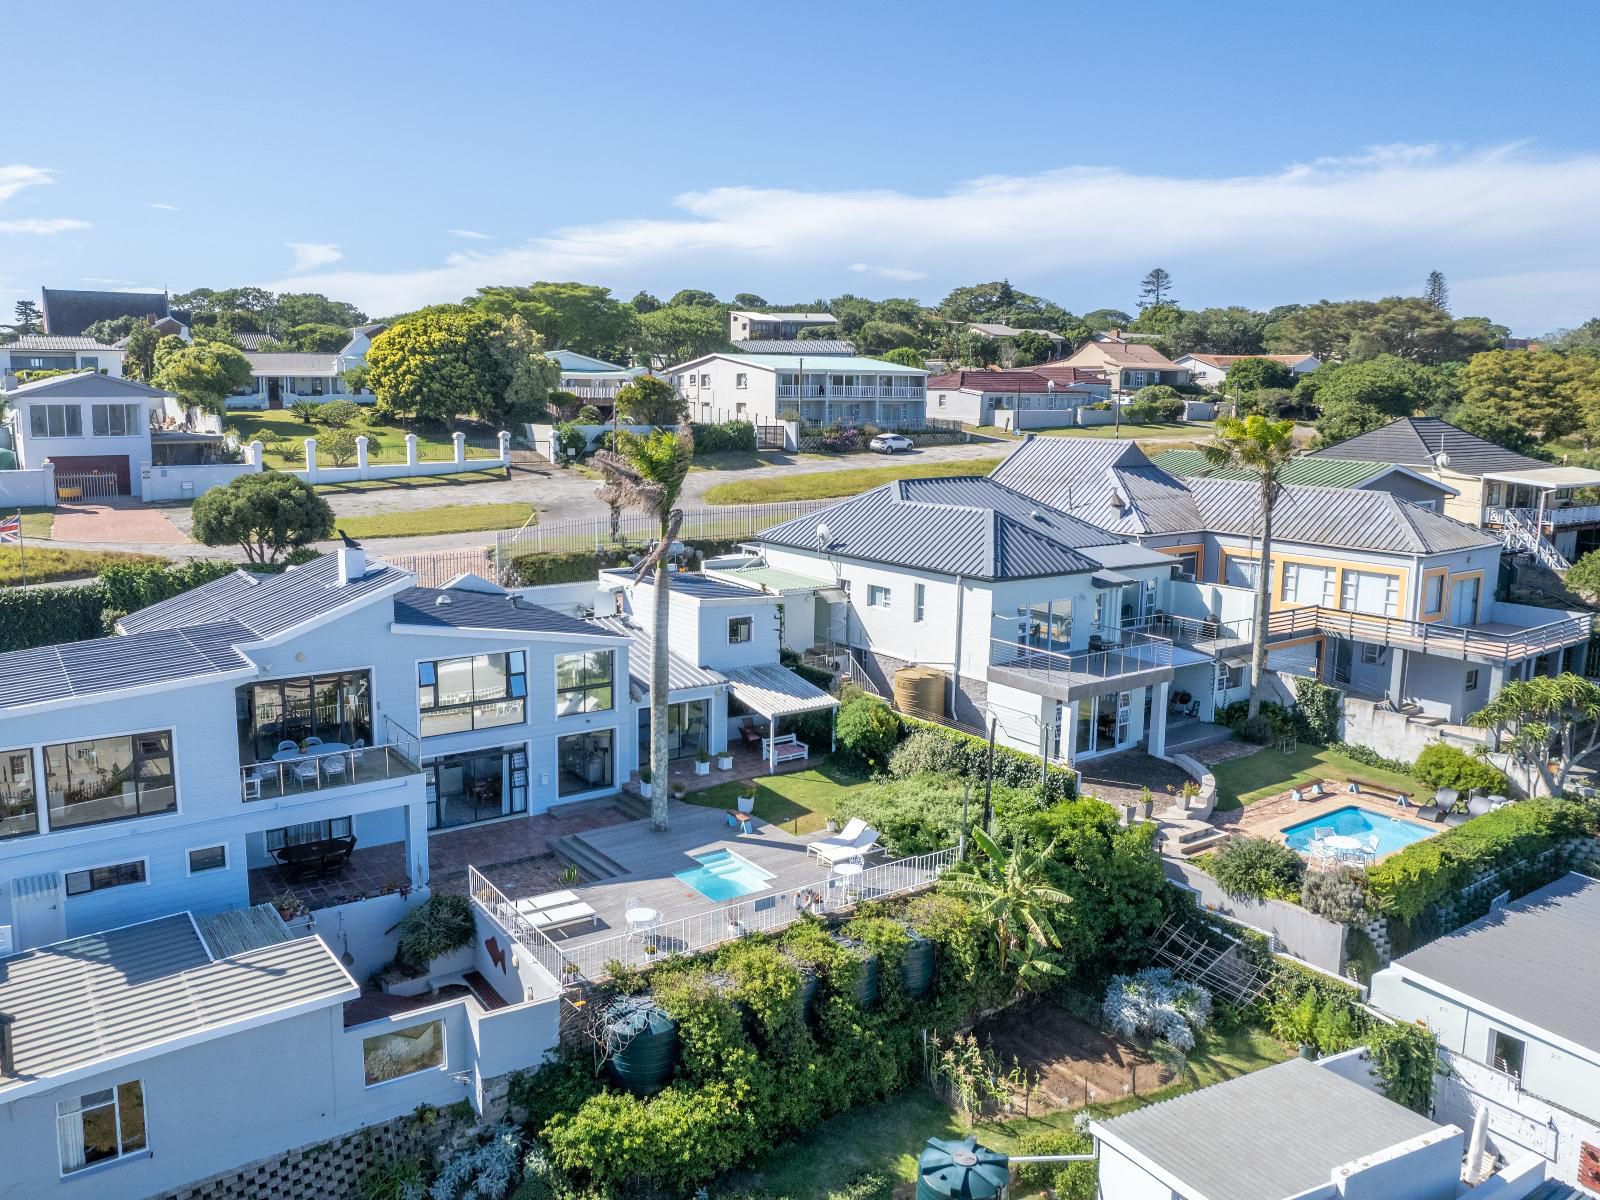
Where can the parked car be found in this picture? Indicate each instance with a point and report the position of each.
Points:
(890, 443)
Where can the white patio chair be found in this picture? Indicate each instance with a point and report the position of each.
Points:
(863, 844)
(288, 747)
(851, 831)
(332, 765)
(306, 771)
(313, 741)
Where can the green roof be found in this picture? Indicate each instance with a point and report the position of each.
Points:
(771, 579)
(1303, 470)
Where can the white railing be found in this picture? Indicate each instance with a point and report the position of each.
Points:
(1448, 641)
(400, 755)
(501, 907)
(1520, 532)
(1555, 516)
(1132, 654)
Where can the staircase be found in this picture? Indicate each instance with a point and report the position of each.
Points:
(1184, 837)
(1523, 536)
(594, 865)
(635, 805)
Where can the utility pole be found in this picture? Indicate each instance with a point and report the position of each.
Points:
(988, 783)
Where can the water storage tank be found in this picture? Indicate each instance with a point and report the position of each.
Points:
(642, 1044)
(917, 969)
(961, 1170)
(919, 691)
(867, 983)
(8, 459)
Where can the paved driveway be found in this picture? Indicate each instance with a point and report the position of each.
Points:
(117, 520)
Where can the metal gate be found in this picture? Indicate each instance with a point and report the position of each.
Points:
(769, 437)
(87, 487)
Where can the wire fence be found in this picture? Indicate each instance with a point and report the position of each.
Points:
(723, 522)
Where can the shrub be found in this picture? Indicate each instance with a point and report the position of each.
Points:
(1312, 1010)
(1318, 709)
(1257, 869)
(572, 441)
(1339, 895)
(1371, 758)
(867, 729)
(1154, 1003)
(964, 754)
(924, 813)
(588, 414)
(485, 1171)
(1066, 1181)
(434, 928)
(1450, 766)
(306, 410)
(1361, 956)
(1272, 722)
(32, 617)
(338, 414)
(1157, 402)
(729, 437)
(1406, 1058)
(843, 439)
(340, 446)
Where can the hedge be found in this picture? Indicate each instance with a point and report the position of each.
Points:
(730, 437)
(578, 566)
(32, 617)
(964, 754)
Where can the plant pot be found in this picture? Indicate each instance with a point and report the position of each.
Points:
(1144, 809)
(1308, 1051)
(702, 768)
(644, 789)
(724, 762)
(833, 825)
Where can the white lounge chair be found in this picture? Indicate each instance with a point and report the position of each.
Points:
(851, 831)
(836, 851)
(564, 917)
(547, 901)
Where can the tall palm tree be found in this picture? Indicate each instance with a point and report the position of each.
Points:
(647, 474)
(1261, 447)
(1014, 892)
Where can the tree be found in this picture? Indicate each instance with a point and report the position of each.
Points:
(113, 329)
(1161, 320)
(203, 375)
(438, 364)
(680, 332)
(748, 300)
(1013, 894)
(313, 308)
(1548, 395)
(265, 515)
(1437, 292)
(875, 337)
(1357, 396)
(1536, 722)
(693, 298)
(1156, 289)
(1102, 319)
(1584, 577)
(1405, 326)
(1585, 339)
(1231, 330)
(1252, 374)
(26, 318)
(317, 338)
(139, 355)
(905, 356)
(568, 316)
(1262, 447)
(644, 302)
(649, 400)
(527, 375)
(973, 349)
(646, 474)
(340, 446)
(1029, 347)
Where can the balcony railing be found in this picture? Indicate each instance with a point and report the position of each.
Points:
(1555, 517)
(1206, 635)
(1133, 654)
(817, 391)
(1472, 642)
(333, 766)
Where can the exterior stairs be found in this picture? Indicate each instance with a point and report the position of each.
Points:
(594, 865)
(1184, 837)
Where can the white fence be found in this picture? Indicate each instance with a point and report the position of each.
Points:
(543, 437)
(187, 482)
(28, 489)
(726, 522)
(410, 469)
(705, 930)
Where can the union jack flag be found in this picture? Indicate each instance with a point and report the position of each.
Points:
(11, 530)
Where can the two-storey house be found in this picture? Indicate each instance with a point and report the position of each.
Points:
(814, 389)
(52, 352)
(745, 326)
(1129, 365)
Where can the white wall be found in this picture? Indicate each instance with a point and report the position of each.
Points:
(157, 484)
(32, 451)
(28, 489)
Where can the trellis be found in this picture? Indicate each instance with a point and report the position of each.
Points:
(1224, 971)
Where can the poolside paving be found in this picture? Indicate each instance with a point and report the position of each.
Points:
(1269, 817)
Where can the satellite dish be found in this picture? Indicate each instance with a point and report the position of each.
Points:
(1441, 459)
(824, 534)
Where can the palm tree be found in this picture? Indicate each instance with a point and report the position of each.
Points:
(1261, 447)
(647, 473)
(1014, 892)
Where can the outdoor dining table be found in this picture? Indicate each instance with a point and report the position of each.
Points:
(1343, 841)
(320, 751)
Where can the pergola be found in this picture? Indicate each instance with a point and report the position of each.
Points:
(775, 691)
(1545, 481)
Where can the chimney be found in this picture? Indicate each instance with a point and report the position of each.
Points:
(352, 559)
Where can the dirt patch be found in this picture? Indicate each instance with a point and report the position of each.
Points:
(1075, 1063)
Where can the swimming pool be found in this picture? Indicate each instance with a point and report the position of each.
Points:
(722, 875)
(1354, 821)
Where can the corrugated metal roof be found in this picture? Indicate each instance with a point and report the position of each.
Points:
(454, 608)
(131, 990)
(1550, 478)
(286, 362)
(265, 605)
(772, 579)
(700, 586)
(845, 363)
(681, 673)
(50, 341)
(799, 346)
(1305, 469)
(1536, 959)
(238, 930)
(1111, 484)
(1412, 441)
(1268, 1135)
(812, 318)
(776, 691)
(109, 664)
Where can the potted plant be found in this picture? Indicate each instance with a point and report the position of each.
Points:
(289, 906)
(1190, 792)
(1147, 803)
(724, 760)
(644, 782)
(735, 920)
(702, 761)
(679, 789)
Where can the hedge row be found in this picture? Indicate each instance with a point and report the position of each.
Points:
(965, 754)
(577, 566)
(32, 617)
(729, 437)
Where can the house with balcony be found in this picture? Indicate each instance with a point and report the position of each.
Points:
(592, 380)
(52, 352)
(1129, 365)
(745, 326)
(815, 390)
(1023, 398)
(1511, 999)
(1535, 508)
(1209, 370)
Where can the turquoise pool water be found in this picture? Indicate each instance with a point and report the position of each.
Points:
(1354, 821)
(722, 875)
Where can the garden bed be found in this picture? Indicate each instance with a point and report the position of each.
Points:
(1075, 1063)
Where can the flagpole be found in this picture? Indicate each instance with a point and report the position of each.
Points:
(22, 550)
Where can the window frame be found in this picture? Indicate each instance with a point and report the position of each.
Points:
(919, 602)
(515, 674)
(1494, 1059)
(36, 411)
(1470, 683)
(169, 781)
(880, 595)
(188, 859)
(741, 380)
(1430, 605)
(444, 1051)
(748, 620)
(1371, 654)
(115, 1103)
(144, 877)
(585, 686)
(32, 790)
(129, 413)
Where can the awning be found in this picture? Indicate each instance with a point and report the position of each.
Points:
(776, 691)
(1548, 478)
(1111, 579)
(772, 579)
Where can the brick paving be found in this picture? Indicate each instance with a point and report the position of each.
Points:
(369, 871)
(1267, 818)
(1117, 778)
(118, 519)
(517, 849)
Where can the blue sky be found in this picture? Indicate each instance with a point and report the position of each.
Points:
(400, 153)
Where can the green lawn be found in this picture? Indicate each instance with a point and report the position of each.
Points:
(455, 479)
(37, 523)
(1270, 772)
(445, 518)
(824, 485)
(887, 1137)
(285, 426)
(800, 801)
(45, 564)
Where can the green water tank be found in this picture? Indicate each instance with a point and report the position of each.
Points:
(916, 972)
(642, 1044)
(8, 459)
(961, 1170)
(867, 983)
(809, 983)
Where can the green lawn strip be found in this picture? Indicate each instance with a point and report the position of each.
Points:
(888, 1137)
(444, 518)
(46, 564)
(823, 485)
(37, 522)
(1271, 772)
(800, 801)
(391, 440)
(1193, 430)
(454, 479)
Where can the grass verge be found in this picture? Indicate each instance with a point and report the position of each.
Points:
(1271, 772)
(444, 518)
(48, 564)
(37, 523)
(800, 801)
(455, 479)
(824, 485)
(276, 427)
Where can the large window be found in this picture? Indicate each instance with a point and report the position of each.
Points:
(109, 779)
(480, 692)
(101, 1126)
(274, 716)
(55, 420)
(116, 420)
(403, 1052)
(740, 630)
(478, 786)
(99, 879)
(19, 802)
(585, 761)
(583, 682)
(1371, 592)
(1305, 584)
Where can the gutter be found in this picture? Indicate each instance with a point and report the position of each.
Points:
(955, 689)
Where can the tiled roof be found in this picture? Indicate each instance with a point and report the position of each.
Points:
(47, 673)
(1413, 441)
(452, 608)
(1064, 374)
(1132, 354)
(47, 341)
(991, 381)
(1224, 361)
(252, 341)
(1108, 483)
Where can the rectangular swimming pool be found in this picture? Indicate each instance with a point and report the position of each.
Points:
(723, 875)
(1357, 822)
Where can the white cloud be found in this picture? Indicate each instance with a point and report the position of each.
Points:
(308, 256)
(903, 274)
(1336, 225)
(471, 233)
(163, 207)
(42, 225)
(15, 177)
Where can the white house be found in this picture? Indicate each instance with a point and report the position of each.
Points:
(744, 326)
(592, 380)
(820, 390)
(1006, 333)
(354, 352)
(1512, 1000)
(1209, 370)
(87, 425)
(1030, 398)
(280, 378)
(50, 352)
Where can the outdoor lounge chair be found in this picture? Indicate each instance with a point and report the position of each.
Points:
(564, 917)
(833, 851)
(851, 831)
(547, 901)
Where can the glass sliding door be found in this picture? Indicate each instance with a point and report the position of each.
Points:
(334, 708)
(586, 762)
(481, 785)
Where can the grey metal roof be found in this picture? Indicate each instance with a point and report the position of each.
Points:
(1537, 959)
(70, 311)
(681, 673)
(1412, 441)
(47, 341)
(236, 930)
(971, 526)
(131, 990)
(110, 664)
(454, 608)
(89, 384)
(291, 362)
(1268, 1135)
(801, 346)
(251, 341)
(1112, 484)
(776, 691)
(1352, 519)
(265, 605)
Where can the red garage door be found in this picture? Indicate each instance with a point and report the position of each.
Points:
(94, 474)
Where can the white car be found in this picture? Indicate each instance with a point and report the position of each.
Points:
(889, 443)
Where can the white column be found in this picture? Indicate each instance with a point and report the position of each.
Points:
(411, 449)
(460, 440)
(258, 455)
(1069, 735)
(361, 455)
(1156, 742)
(505, 447)
(311, 459)
(49, 469)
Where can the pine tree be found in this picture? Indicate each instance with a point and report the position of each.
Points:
(1437, 291)
(1156, 288)
(28, 318)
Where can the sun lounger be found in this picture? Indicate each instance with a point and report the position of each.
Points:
(850, 832)
(547, 901)
(832, 850)
(562, 918)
